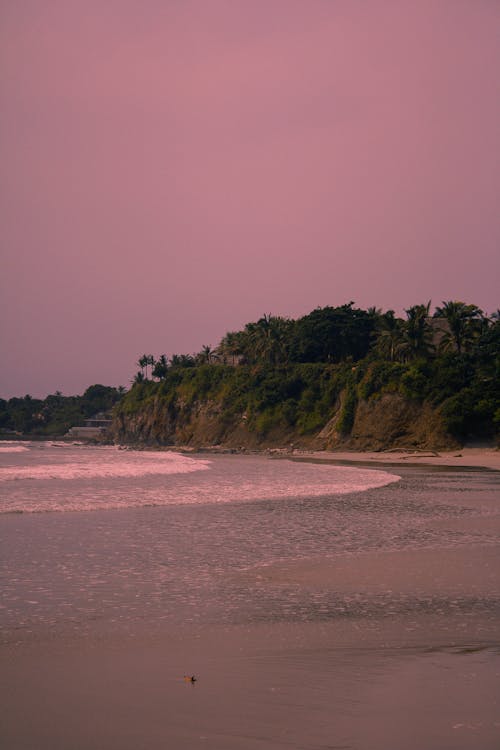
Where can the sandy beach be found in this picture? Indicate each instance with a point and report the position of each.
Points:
(372, 650)
(478, 458)
(358, 686)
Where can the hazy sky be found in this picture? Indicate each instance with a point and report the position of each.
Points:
(172, 169)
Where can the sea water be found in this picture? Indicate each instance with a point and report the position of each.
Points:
(122, 570)
(102, 538)
(41, 477)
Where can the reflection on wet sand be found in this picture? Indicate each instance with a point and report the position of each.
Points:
(368, 621)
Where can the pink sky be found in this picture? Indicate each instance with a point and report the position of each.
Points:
(173, 169)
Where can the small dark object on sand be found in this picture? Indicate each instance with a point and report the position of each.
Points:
(190, 678)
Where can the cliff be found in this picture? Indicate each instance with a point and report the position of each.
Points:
(391, 421)
(321, 407)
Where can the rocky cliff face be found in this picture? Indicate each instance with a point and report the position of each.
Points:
(203, 425)
(388, 421)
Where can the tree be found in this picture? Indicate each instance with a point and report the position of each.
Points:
(99, 398)
(204, 357)
(160, 368)
(235, 345)
(464, 322)
(418, 333)
(268, 339)
(333, 334)
(390, 340)
(182, 360)
(144, 362)
(487, 350)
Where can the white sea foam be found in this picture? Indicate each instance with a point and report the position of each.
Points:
(102, 463)
(81, 478)
(11, 447)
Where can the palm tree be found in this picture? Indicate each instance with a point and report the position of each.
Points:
(205, 355)
(464, 322)
(269, 338)
(233, 346)
(418, 333)
(390, 342)
(376, 312)
(151, 361)
(143, 364)
(160, 368)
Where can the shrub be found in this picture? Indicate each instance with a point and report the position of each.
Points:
(377, 377)
(415, 381)
(348, 412)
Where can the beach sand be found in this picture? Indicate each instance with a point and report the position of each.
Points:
(486, 458)
(421, 671)
(418, 682)
(302, 686)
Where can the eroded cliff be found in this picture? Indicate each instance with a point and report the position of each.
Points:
(330, 415)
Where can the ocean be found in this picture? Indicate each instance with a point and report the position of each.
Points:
(214, 563)
(99, 534)
(38, 477)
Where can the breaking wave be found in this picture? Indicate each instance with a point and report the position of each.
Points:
(81, 478)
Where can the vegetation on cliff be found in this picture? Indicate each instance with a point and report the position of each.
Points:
(339, 375)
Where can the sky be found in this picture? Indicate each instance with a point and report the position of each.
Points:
(173, 169)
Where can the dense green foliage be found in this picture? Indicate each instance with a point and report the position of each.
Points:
(55, 414)
(278, 372)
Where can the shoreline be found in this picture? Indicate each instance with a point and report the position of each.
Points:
(487, 458)
(465, 459)
(460, 458)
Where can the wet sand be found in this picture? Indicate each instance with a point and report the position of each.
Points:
(421, 671)
(476, 458)
(372, 686)
(473, 571)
